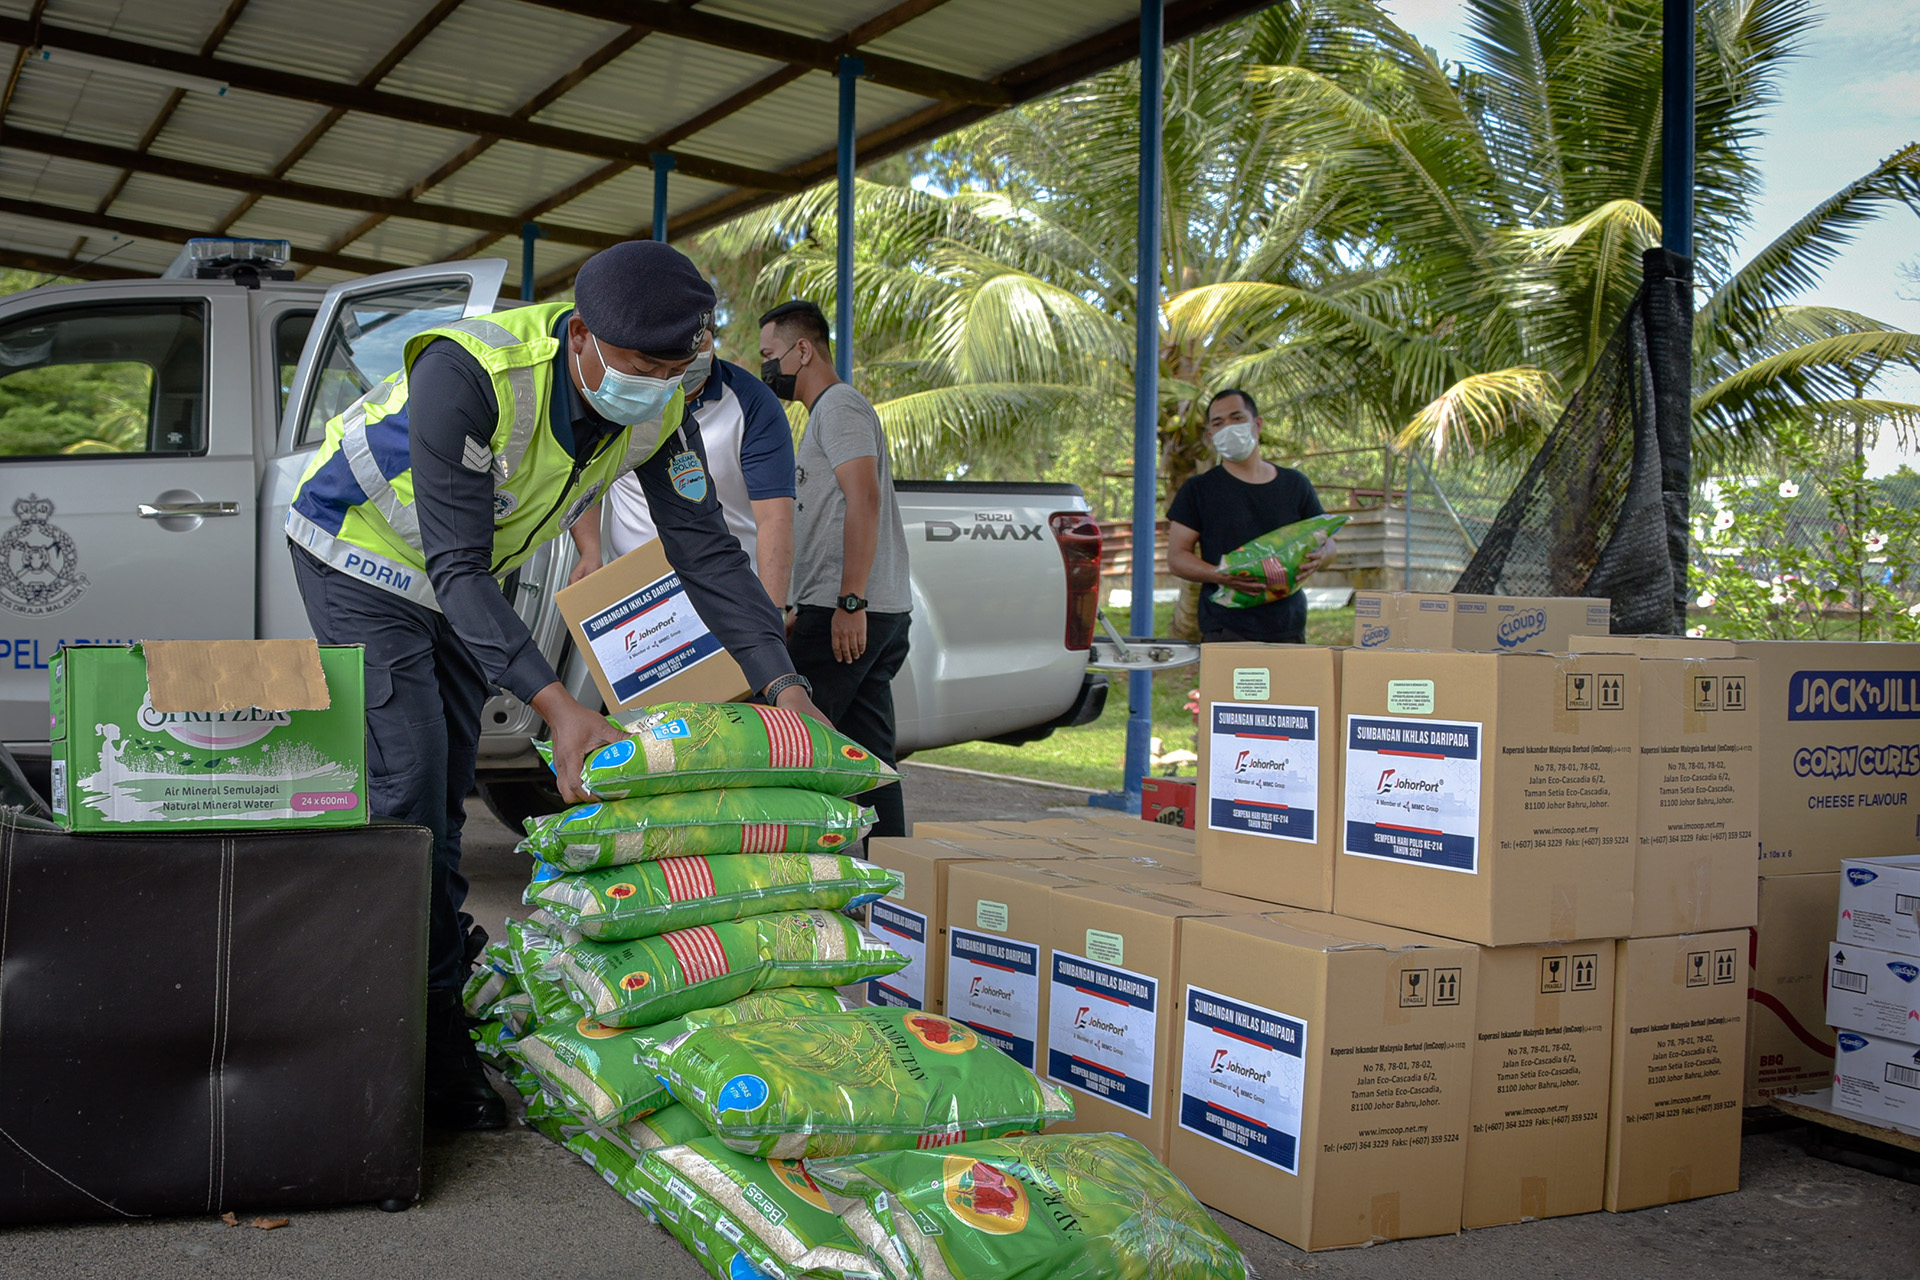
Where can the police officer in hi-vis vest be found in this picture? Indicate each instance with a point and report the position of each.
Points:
(497, 434)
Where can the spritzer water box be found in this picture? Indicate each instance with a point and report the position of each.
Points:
(175, 735)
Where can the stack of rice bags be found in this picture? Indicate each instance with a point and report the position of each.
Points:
(709, 1075)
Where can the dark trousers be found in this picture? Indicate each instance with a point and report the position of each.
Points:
(424, 694)
(857, 696)
(1224, 636)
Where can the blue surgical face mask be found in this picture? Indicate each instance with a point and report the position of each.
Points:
(626, 399)
(694, 380)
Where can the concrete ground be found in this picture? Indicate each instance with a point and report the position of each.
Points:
(512, 1204)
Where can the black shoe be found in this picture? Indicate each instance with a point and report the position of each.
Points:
(459, 1095)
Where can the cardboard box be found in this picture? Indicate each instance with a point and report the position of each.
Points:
(1490, 797)
(1789, 1046)
(1324, 1076)
(999, 929)
(642, 638)
(913, 919)
(1169, 800)
(1114, 983)
(1492, 624)
(1879, 901)
(1694, 867)
(1270, 772)
(1839, 752)
(1139, 829)
(1679, 1017)
(1876, 993)
(211, 733)
(1158, 856)
(1877, 1078)
(1542, 1067)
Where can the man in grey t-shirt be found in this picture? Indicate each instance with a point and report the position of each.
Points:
(851, 600)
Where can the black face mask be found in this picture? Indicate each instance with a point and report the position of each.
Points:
(782, 383)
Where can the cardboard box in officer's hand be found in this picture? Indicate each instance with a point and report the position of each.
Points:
(642, 638)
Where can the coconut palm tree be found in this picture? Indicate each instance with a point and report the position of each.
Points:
(1513, 196)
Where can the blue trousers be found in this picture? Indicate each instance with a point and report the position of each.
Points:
(424, 696)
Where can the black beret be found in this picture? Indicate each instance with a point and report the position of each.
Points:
(643, 295)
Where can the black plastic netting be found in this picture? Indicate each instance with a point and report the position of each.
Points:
(1602, 510)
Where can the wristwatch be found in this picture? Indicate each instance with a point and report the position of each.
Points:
(852, 603)
(780, 684)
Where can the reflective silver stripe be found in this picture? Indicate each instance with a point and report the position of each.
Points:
(526, 416)
(365, 566)
(638, 451)
(486, 330)
(381, 393)
(379, 490)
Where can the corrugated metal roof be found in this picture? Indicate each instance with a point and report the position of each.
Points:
(395, 132)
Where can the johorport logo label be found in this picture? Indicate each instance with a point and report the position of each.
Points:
(1223, 1064)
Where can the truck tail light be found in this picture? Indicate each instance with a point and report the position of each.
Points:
(1079, 539)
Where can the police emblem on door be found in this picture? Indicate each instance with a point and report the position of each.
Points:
(39, 563)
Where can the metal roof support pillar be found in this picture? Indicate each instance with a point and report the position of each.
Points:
(529, 232)
(1146, 393)
(662, 166)
(1676, 132)
(851, 70)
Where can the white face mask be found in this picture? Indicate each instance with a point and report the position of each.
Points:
(626, 399)
(1236, 442)
(695, 378)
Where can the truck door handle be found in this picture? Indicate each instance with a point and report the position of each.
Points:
(161, 510)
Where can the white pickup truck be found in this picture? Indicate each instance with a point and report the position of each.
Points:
(152, 433)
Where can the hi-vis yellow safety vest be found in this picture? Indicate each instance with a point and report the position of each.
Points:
(354, 507)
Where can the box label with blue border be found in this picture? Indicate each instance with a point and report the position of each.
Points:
(1102, 1031)
(1243, 1077)
(993, 986)
(1413, 791)
(1264, 770)
(650, 636)
(906, 932)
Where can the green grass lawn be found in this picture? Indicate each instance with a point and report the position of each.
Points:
(1093, 755)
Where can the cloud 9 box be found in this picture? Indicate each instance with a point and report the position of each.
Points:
(209, 734)
(1880, 903)
(1491, 624)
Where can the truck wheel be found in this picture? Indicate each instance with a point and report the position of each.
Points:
(514, 801)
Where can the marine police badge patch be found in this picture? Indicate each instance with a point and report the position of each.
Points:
(688, 476)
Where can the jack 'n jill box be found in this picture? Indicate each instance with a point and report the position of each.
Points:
(172, 735)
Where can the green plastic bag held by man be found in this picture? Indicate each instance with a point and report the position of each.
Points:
(497, 434)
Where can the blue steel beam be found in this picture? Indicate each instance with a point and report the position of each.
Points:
(1146, 392)
(1676, 132)
(851, 69)
(529, 232)
(662, 166)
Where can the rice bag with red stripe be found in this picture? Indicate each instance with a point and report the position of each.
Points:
(594, 1069)
(692, 823)
(707, 746)
(647, 980)
(612, 904)
(831, 1084)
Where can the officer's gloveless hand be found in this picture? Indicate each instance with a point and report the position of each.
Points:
(577, 731)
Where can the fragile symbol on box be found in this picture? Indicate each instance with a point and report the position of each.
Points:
(1414, 988)
(1706, 693)
(1553, 975)
(1697, 970)
(1579, 691)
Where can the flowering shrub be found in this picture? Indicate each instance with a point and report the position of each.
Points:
(1840, 563)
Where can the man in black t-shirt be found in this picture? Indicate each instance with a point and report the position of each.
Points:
(1221, 510)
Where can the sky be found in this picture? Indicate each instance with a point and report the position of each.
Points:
(1852, 99)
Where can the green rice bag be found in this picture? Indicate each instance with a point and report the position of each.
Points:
(533, 954)
(1071, 1206)
(492, 979)
(593, 1068)
(618, 1168)
(707, 746)
(611, 904)
(549, 1117)
(729, 1207)
(1281, 550)
(648, 980)
(828, 1084)
(492, 1037)
(689, 823)
(668, 1127)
